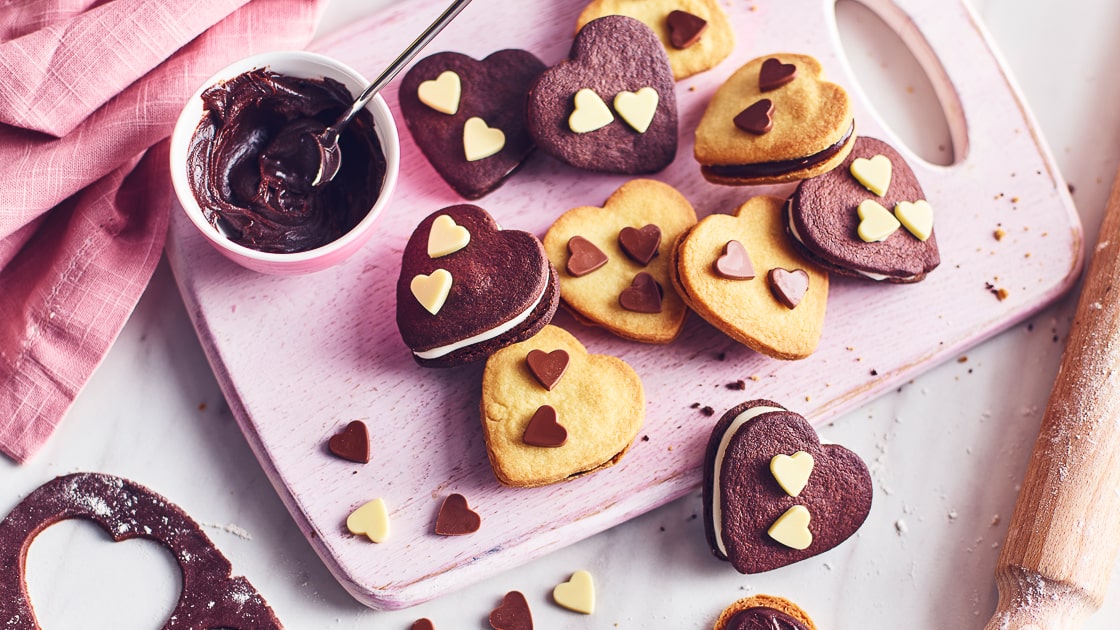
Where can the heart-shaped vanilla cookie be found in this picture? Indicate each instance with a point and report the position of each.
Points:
(600, 402)
(567, 113)
(752, 311)
(634, 230)
(468, 287)
(468, 116)
(754, 522)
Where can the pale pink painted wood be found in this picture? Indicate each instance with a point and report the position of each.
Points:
(300, 357)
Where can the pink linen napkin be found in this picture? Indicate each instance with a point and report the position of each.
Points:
(89, 92)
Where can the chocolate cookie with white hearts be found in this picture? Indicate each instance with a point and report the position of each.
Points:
(468, 116)
(468, 288)
(773, 494)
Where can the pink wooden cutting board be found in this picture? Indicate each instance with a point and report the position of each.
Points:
(299, 357)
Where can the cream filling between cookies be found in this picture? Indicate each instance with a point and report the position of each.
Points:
(878, 277)
(717, 501)
(485, 335)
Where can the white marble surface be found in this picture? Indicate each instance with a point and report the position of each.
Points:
(946, 452)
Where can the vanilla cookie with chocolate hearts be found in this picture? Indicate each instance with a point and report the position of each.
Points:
(628, 241)
(695, 34)
(468, 287)
(590, 416)
(764, 612)
(742, 274)
(468, 116)
(774, 120)
(868, 218)
(610, 107)
(773, 494)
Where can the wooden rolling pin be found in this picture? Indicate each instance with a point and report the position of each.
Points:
(1054, 569)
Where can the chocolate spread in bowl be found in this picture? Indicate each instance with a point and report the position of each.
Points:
(252, 159)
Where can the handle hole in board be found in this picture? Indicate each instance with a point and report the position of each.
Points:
(896, 85)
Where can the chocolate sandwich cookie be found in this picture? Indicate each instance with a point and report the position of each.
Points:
(468, 287)
(468, 116)
(610, 107)
(773, 494)
(764, 612)
(774, 120)
(868, 218)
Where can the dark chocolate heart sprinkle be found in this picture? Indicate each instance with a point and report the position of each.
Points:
(352, 443)
(764, 618)
(774, 74)
(513, 614)
(547, 367)
(685, 28)
(640, 245)
(758, 118)
(583, 256)
(734, 264)
(423, 624)
(456, 517)
(788, 287)
(644, 295)
(544, 430)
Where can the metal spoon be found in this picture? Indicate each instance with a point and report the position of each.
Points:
(330, 157)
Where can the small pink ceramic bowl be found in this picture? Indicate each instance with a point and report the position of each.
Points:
(303, 65)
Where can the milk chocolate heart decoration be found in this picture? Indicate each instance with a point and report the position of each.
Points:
(547, 367)
(211, 596)
(640, 244)
(352, 443)
(473, 159)
(610, 55)
(754, 523)
(456, 518)
(512, 614)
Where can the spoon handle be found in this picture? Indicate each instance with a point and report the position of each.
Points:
(401, 61)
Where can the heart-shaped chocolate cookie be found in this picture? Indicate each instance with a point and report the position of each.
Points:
(468, 116)
(783, 321)
(600, 402)
(497, 289)
(635, 230)
(750, 519)
(849, 229)
(610, 55)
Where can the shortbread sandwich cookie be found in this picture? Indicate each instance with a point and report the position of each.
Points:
(764, 612)
(614, 261)
(773, 494)
(552, 412)
(468, 116)
(468, 287)
(744, 276)
(696, 34)
(869, 218)
(774, 120)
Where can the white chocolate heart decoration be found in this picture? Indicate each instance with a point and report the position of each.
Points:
(916, 217)
(446, 237)
(637, 108)
(431, 291)
(590, 112)
(873, 173)
(792, 528)
(792, 471)
(480, 140)
(576, 594)
(372, 520)
(442, 93)
(876, 222)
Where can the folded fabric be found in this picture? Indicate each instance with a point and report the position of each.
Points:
(90, 93)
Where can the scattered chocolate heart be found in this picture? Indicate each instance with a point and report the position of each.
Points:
(513, 614)
(787, 286)
(685, 28)
(640, 245)
(423, 624)
(544, 430)
(774, 74)
(547, 367)
(456, 518)
(764, 618)
(352, 443)
(734, 264)
(584, 257)
(757, 119)
(643, 295)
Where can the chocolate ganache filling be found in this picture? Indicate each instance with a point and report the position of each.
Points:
(252, 159)
(768, 169)
(763, 618)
